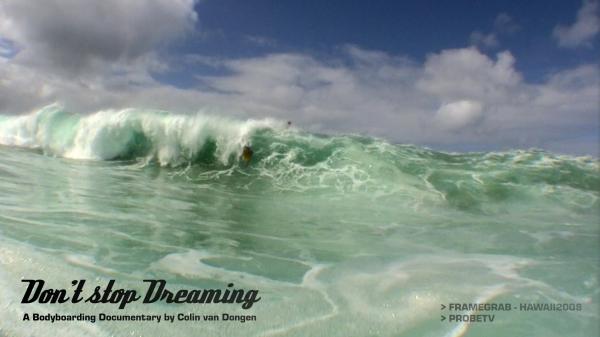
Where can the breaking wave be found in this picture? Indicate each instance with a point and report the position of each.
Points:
(296, 160)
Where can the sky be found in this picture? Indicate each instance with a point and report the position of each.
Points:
(452, 75)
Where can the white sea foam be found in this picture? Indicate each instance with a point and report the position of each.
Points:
(171, 139)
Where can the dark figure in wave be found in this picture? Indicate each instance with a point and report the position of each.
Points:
(247, 154)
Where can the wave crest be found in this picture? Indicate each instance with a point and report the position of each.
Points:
(292, 160)
(169, 139)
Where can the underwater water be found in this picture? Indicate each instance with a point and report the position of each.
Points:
(341, 235)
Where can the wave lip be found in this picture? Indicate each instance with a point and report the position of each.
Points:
(170, 139)
(290, 160)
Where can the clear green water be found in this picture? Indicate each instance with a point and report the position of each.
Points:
(342, 236)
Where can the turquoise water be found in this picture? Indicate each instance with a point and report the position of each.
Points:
(342, 235)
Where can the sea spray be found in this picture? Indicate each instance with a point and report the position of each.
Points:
(343, 235)
(171, 140)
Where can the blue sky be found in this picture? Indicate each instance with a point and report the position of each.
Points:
(411, 28)
(455, 75)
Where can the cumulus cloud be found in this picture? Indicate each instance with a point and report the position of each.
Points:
(458, 73)
(459, 114)
(74, 37)
(455, 97)
(585, 28)
(503, 25)
(478, 38)
(458, 96)
(373, 89)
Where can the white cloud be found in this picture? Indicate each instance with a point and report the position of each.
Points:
(585, 28)
(459, 114)
(478, 38)
(326, 95)
(503, 25)
(455, 97)
(458, 73)
(75, 37)
(260, 41)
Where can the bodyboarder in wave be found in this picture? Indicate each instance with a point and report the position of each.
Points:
(247, 154)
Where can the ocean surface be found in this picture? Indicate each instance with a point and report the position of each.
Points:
(342, 235)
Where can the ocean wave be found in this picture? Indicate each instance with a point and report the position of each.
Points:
(291, 159)
(169, 139)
